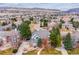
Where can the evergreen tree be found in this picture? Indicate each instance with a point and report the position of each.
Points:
(25, 30)
(62, 21)
(71, 20)
(41, 22)
(45, 22)
(39, 42)
(55, 37)
(75, 24)
(68, 42)
(31, 18)
(60, 25)
(13, 26)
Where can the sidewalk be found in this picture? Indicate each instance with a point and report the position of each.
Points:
(24, 46)
(38, 53)
(63, 51)
(21, 48)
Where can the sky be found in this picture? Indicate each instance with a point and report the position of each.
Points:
(61, 6)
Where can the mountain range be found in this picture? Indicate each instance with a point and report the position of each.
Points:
(74, 10)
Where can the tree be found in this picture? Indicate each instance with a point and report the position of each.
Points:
(45, 23)
(14, 50)
(55, 37)
(62, 21)
(13, 19)
(27, 22)
(13, 26)
(25, 30)
(41, 22)
(54, 17)
(71, 20)
(39, 42)
(60, 25)
(4, 23)
(68, 42)
(31, 18)
(75, 24)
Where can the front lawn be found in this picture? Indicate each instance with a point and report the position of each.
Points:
(34, 52)
(6, 52)
(50, 51)
(73, 52)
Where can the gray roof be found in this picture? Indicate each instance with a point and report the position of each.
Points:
(75, 36)
(43, 33)
(6, 26)
(8, 33)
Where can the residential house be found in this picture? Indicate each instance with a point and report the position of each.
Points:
(10, 37)
(42, 34)
(75, 39)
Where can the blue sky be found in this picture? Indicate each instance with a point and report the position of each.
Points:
(61, 6)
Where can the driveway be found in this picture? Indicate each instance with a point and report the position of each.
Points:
(24, 46)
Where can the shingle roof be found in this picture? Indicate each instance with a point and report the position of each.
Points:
(8, 33)
(43, 33)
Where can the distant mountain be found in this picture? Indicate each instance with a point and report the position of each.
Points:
(29, 8)
(74, 10)
(2, 8)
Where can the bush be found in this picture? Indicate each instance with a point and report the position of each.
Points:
(14, 50)
(73, 51)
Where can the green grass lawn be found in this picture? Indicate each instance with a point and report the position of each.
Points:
(34, 52)
(6, 52)
(50, 51)
(73, 52)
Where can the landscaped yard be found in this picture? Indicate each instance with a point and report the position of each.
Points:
(73, 52)
(6, 52)
(50, 51)
(34, 52)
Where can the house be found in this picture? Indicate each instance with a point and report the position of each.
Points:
(66, 18)
(9, 26)
(75, 38)
(76, 18)
(51, 25)
(9, 37)
(68, 26)
(42, 34)
(64, 32)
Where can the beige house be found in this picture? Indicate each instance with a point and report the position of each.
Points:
(9, 37)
